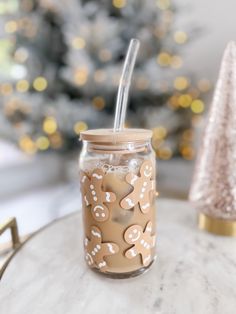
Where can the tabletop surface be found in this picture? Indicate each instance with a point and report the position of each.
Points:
(195, 272)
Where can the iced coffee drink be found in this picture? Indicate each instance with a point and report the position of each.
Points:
(117, 177)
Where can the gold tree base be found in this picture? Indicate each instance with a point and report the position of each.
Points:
(217, 226)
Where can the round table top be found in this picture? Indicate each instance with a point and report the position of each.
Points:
(195, 272)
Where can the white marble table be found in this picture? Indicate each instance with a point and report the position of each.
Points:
(195, 273)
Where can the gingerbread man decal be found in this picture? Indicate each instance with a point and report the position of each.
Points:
(93, 194)
(142, 242)
(142, 186)
(96, 250)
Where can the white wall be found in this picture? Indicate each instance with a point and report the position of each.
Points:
(218, 21)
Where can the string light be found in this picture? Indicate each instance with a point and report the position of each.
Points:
(180, 37)
(167, 16)
(164, 153)
(197, 106)
(40, 83)
(78, 43)
(159, 32)
(197, 121)
(21, 55)
(119, 3)
(22, 86)
(176, 62)
(204, 85)
(163, 4)
(99, 76)
(105, 55)
(56, 140)
(15, 104)
(181, 83)
(49, 125)
(10, 27)
(156, 143)
(30, 29)
(11, 106)
(6, 89)
(81, 76)
(159, 132)
(164, 59)
(187, 135)
(194, 92)
(173, 102)
(187, 152)
(98, 102)
(42, 143)
(27, 145)
(142, 83)
(185, 100)
(80, 126)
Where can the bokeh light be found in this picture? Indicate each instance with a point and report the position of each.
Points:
(22, 86)
(49, 125)
(99, 76)
(159, 132)
(176, 62)
(81, 76)
(119, 3)
(164, 59)
(42, 143)
(185, 100)
(105, 55)
(163, 4)
(180, 37)
(197, 106)
(40, 83)
(142, 83)
(187, 152)
(98, 102)
(173, 102)
(56, 140)
(204, 85)
(164, 153)
(11, 27)
(80, 126)
(27, 145)
(78, 43)
(181, 83)
(6, 89)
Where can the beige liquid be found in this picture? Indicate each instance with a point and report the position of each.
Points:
(119, 220)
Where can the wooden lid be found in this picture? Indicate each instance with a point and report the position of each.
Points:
(107, 135)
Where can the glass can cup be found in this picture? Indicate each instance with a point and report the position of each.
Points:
(118, 189)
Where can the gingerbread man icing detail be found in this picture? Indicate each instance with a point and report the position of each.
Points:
(142, 242)
(93, 194)
(96, 250)
(142, 186)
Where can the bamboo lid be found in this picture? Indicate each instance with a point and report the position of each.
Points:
(107, 135)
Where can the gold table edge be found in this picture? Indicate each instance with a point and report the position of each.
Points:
(31, 236)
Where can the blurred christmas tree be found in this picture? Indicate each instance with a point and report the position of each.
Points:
(68, 58)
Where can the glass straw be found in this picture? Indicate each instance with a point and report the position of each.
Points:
(123, 91)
